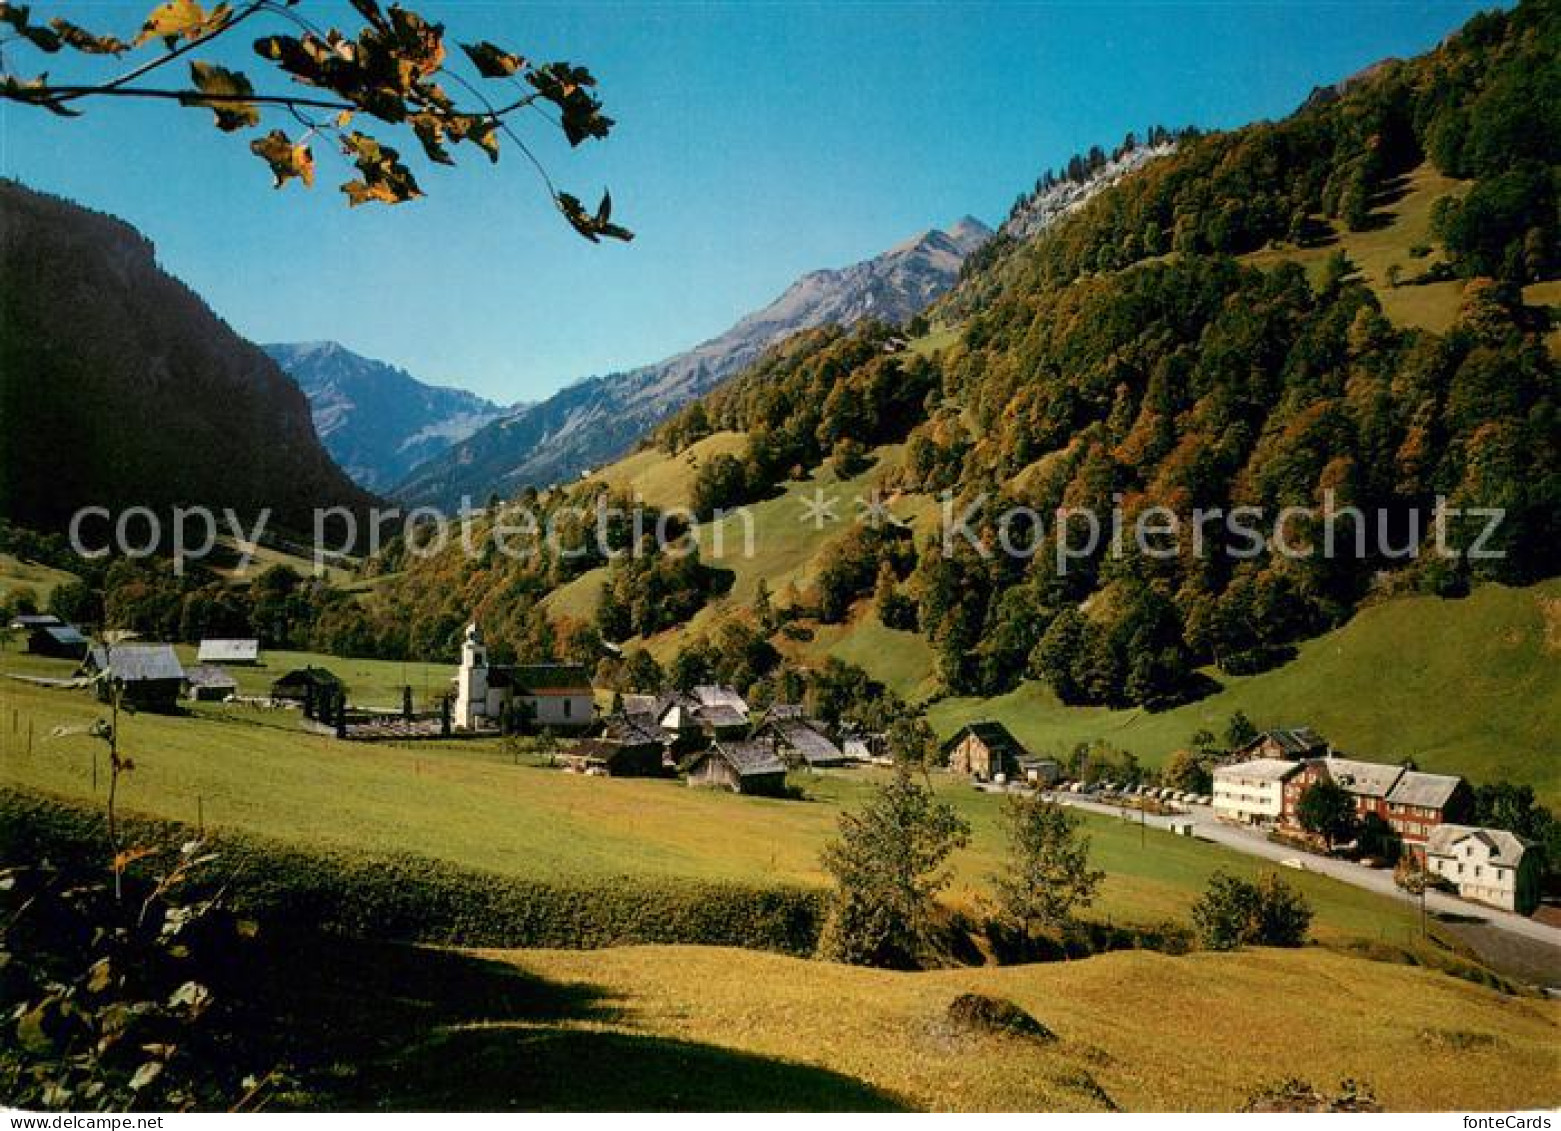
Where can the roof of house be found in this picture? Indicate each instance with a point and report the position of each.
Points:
(35, 620)
(784, 711)
(721, 715)
(542, 679)
(1424, 791)
(139, 663)
(208, 675)
(810, 744)
(716, 695)
(749, 759)
(1259, 769)
(1505, 848)
(631, 730)
(1364, 779)
(65, 634)
(1294, 741)
(229, 651)
(992, 734)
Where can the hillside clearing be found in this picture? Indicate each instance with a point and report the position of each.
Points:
(1469, 686)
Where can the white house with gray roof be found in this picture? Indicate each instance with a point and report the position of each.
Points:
(1490, 866)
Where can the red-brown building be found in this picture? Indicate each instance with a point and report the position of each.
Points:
(1411, 803)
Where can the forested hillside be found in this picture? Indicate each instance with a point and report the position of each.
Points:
(119, 387)
(1195, 337)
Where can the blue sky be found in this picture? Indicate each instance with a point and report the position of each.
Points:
(755, 142)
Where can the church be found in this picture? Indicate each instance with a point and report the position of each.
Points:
(552, 696)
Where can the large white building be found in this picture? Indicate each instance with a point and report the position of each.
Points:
(1252, 793)
(552, 696)
(1490, 866)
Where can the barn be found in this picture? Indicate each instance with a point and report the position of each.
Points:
(741, 767)
(985, 749)
(306, 685)
(148, 676)
(628, 747)
(62, 641)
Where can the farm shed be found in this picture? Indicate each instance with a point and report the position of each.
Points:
(209, 683)
(741, 767)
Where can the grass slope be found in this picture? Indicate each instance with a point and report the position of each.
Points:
(18, 576)
(469, 804)
(1470, 686)
(1139, 1031)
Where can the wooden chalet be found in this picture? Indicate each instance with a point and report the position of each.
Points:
(740, 767)
(1292, 744)
(984, 749)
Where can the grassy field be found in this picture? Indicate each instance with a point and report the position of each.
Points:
(1404, 222)
(775, 539)
(370, 683)
(469, 804)
(1470, 686)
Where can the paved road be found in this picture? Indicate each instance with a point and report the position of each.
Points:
(1254, 842)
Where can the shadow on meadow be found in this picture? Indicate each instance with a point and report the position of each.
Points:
(378, 1026)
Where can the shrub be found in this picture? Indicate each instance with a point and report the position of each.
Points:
(1233, 912)
(983, 1014)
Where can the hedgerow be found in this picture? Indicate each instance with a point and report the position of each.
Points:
(404, 897)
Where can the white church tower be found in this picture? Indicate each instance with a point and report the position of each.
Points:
(471, 685)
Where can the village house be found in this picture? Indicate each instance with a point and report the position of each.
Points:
(207, 683)
(983, 750)
(689, 719)
(1252, 793)
(230, 652)
(1290, 744)
(148, 676)
(741, 767)
(490, 696)
(1490, 866)
(801, 743)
